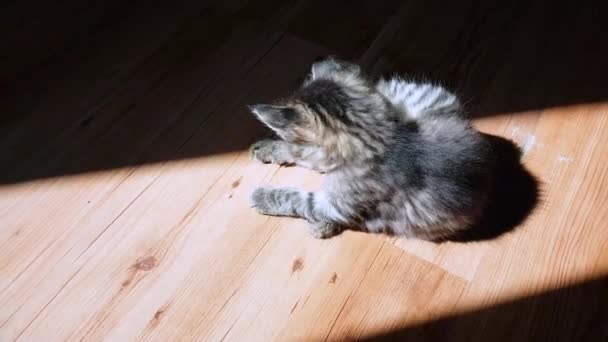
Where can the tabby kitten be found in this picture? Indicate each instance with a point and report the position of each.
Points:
(398, 155)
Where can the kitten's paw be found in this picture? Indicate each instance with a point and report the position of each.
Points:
(269, 151)
(324, 230)
(260, 200)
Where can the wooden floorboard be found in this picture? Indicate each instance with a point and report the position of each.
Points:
(125, 176)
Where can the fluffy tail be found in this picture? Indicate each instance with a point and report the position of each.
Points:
(418, 99)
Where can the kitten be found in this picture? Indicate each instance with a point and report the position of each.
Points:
(398, 155)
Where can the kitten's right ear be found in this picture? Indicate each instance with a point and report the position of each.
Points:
(323, 67)
(328, 66)
(277, 117)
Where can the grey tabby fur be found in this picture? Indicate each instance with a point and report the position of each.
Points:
(398, 155)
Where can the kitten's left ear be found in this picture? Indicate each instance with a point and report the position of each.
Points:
(274, 116)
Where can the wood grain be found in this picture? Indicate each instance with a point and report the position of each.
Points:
(125, 176)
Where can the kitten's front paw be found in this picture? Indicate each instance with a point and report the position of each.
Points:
(324, 230)
(269, 151)
(260, 200)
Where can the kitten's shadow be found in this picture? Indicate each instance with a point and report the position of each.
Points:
(515, 195)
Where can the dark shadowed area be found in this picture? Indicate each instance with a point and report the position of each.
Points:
(110, 84)
(515, 194)
(572, 313)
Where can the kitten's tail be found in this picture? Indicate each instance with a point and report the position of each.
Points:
(417, 99)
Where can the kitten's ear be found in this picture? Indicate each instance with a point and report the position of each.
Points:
(274, 116)
(323, 68)
(330, 65)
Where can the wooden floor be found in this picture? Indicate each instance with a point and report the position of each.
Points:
(124, 173)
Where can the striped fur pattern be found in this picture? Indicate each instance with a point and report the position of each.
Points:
(416, 99)
(398, 156)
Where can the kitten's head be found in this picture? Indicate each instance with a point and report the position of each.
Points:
(333, 102)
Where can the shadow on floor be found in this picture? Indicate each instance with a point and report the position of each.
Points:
(515, 194)
(574, 313)
(101, 104)
(504, 56)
